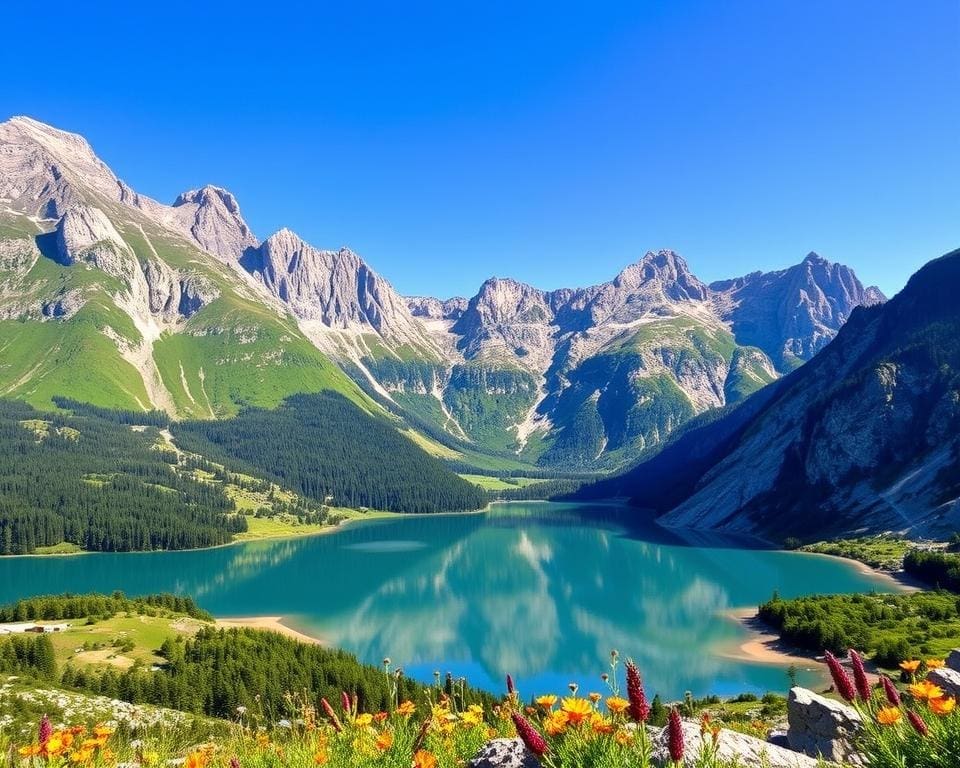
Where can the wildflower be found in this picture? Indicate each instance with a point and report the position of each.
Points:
(83, 756)
(44, 731)
(362, 721)
(510, 689)
(917, 722)
(925, 690)
(30, 751)
(675, 736)
(424, 759)
(617, 705)
(639, 709)
(529, 735)
(889, 716)
(910, 666)
(576, 710)
(860, 675)
(935, 663)
(556, 722)
(321, 757)
(380, 717)
(102, 731)
(55, 744)
(890, 691)
(547, 701)
(601, 724)
(595, 697)
(942, 706)
(331, 715)
(473, 716)
(384, 741)
(406, 708)
(345, 702)
(197, 759)
(623, 738)
(152, 758)
(840, 677)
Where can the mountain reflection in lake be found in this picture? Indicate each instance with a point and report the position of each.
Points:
(542, 591)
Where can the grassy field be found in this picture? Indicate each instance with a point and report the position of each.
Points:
(885, 552)
(500, 484)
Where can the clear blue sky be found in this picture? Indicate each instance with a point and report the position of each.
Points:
(552, 142)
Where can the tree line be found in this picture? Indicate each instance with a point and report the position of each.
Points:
(70, 606)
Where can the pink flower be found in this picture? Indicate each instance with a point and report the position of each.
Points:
(510, 688)
(840, 677)
(639, 709)
(675, 736)
(917, 722)
(529, 735)
(860, 675)
(328, 711)
(345, 702)
(45, 731)
(890, 691)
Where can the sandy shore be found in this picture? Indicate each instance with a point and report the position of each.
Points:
(271, 623)
(764, 645)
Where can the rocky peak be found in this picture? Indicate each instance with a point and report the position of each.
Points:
(212, 217)
(83, 227)
(430, 308)
(665, 271)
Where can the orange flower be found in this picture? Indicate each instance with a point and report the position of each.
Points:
(935, 663)
(577, 710)
(617, 705)
(925, 690)
(102, 731)
(546, 702)
(406, 708)
(31, 751)
(321, 757)
(380, 717)
(889, 716)
(942, 706)
(424, 759)
(82, 755)
(197, 760)
(601, 724)
(910, 666)
(623, 738)
(556, 723)
(384, 741)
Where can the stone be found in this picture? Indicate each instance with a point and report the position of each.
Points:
(946, 678)
(504, 753)
(749, 752)
(953, 660)
(821, 727)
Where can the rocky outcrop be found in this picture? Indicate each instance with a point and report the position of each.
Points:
(821, 727)
(435, 309)
(791, 314)
(946, 678)
(747, 751)
(86, 232)
(504, 753)
(212, 217)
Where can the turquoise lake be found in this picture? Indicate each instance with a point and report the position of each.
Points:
(543, 591)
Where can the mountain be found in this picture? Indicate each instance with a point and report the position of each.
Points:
(863, 438)
(113, 298)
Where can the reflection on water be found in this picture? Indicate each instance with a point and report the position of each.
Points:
(542, 591)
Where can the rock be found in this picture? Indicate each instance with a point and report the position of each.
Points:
(947, 678)
(212, 218)
(748, 751)
(504, 753)
(821, 727)
(953, 660)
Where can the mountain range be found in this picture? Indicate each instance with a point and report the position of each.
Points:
(112, 298)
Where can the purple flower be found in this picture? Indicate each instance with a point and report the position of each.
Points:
(675, 736)
(639, 709)
(45, 731)
(860, 675)
(840, 677)
(529, 735)
(890, 691)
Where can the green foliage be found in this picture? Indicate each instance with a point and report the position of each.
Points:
(69, 606)
(323, 445)
(941, 569)
(885, 552)
(28, 654)
(890, 627)
(101, 486)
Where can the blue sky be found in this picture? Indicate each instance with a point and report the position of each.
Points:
(548, 141)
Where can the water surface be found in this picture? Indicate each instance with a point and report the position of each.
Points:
(543, 591)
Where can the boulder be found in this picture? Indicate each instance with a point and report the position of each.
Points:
(821, 727)
(953, 660)
(747, 751)
(504, 753)
(946, 678)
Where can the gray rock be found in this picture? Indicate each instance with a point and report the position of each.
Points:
(504, 753)
(731, 745)
(947, 678)
(953, 659)
(821, 727)
(212, 218)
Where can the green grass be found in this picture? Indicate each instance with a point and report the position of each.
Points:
(885, 552)
(500, 484)
(63, 548)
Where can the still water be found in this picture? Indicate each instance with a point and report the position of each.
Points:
(543, 591)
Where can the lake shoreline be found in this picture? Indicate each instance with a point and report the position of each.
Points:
(268, 624)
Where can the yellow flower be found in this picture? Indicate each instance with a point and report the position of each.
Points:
(362, 721)
(925, 690)
(623, 738)
(910, 666)
(82, 755)
(196, 760)
(595, 697)
(32, 751)
(935, 663)
(384, 741)
(473, 716)
(556, 723)
(577, 709)
(942, 706)
(424, 759)
(55, 746)
(102, 731)
(889, 716)
(321, 757)
(150, 758)
(601, 724)
(617, 705)
(406, 708)
(546, 702)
